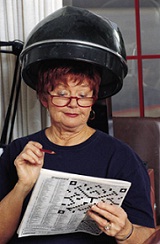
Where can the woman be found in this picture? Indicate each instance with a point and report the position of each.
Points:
(68, 89)
(68, 92)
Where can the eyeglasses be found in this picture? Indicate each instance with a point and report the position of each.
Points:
(61, 101)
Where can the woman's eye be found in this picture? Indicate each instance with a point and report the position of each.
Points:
(62, 93)
(82, 95)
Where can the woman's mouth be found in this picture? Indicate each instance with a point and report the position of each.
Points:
(71, 115)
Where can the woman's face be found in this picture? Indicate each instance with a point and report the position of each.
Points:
(71, 116)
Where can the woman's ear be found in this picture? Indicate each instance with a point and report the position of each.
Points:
(44, 101)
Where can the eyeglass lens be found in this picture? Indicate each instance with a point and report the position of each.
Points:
(64, 101)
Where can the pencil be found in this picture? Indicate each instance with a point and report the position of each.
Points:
(47, 151)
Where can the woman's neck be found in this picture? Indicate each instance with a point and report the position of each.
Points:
(68, 138)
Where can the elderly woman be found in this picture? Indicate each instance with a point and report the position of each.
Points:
(68, 89)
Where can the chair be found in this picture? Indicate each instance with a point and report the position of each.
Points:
(152, 193)
(143, 135)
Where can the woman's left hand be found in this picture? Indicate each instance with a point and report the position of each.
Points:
(111, 219)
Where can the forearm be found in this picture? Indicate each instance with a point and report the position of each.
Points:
(138, 236)
(10, 211)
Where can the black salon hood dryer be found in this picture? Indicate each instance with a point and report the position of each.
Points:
(77, 34)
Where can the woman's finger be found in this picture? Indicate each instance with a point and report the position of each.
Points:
(30, 154)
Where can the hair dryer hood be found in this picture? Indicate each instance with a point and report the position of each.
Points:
(77, 34)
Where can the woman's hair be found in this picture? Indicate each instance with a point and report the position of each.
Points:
(50, 73)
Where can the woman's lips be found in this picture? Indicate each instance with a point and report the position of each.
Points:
(71, 115)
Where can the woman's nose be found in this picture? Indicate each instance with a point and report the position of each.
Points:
(73, 102)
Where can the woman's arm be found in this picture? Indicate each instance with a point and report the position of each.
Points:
(28, 165)
(10, 211)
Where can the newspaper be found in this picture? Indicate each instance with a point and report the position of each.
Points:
(59, 203)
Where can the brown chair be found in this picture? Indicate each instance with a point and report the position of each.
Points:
(152, 193)
(143, 135)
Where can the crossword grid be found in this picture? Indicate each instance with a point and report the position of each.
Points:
(80, 196)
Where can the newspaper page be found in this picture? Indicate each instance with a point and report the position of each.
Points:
(59, 203)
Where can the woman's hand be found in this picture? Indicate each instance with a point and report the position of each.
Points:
(111, 219)
(28, 164)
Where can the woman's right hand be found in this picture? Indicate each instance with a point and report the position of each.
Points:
(28, 165)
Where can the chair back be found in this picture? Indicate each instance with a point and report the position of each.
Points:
(143, 135)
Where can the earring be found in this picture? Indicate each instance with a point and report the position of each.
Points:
(48, 114)
(92, 115)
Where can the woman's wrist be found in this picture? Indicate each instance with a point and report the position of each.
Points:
(22, 189)
(127, 236)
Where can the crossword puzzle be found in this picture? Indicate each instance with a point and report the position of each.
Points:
(80, 196)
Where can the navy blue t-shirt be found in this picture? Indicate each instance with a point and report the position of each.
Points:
(99, 156)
